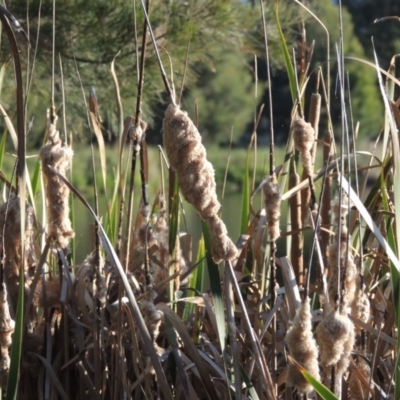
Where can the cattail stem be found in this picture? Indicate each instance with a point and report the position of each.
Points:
(326, 200)
(296, 227)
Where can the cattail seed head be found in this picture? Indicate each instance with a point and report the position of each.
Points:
(303, 348)
(304, 137)
(335, 337)
(58, 156)
(272, 201)
(187, 157)
(360, 307)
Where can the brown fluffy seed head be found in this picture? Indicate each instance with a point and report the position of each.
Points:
(303, 348)
(360, 308)
(335, 337)
(7, 324)
(10, 220)
(304, 138)
(222, 247)
(54, 154)
(187, 157)
(358, 388)
(272, 200)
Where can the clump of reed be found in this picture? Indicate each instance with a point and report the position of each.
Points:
(135, 317)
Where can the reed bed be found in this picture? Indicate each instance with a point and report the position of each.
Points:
(136, 318)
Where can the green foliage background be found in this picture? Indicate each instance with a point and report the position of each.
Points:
(225, 37)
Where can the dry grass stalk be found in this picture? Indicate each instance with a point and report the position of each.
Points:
(187, 157)
(303, 348)
(58, 156)
(326, 201)
(296, 250)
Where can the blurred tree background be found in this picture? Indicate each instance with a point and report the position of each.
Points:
(226, 43)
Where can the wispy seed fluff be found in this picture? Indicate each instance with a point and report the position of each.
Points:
(360, 308)
(272, 199)
(358, 388)
(187, 157)
(335, 338)
(58, 156)
(303, 348)
(304, 138)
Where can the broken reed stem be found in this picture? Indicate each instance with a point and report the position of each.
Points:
(296, 251)
(326, 200)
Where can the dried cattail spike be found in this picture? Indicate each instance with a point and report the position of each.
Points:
(304, 137)
(222, 247)
(272, 199)
(187, 157)
(303, 348)
(10, 222)
(335, 337)
(54, 154)
(333, 333)
(360, 308)
(358, 382)
(152, 318)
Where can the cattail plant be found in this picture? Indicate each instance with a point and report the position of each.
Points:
(272, 201)
(335, 338)
(313, 118)
(10, 245)
(187, 157)
(57, 156)
(303, 348)
(304, 137)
